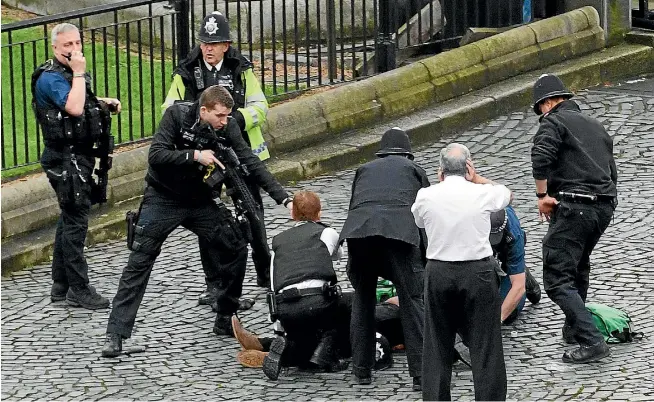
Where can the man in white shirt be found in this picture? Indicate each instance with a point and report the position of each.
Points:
(461, 283)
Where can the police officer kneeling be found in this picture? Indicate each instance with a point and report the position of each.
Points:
(177, 195)
(304, 297)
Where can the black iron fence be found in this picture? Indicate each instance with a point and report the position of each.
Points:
(132, 47)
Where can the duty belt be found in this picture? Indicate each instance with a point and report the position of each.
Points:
(295, 293)
(584, 198)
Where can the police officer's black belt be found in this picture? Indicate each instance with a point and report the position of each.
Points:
(585, 198)
(295, 293)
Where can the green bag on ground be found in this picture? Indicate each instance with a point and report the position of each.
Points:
(613, 323)
(385, 290)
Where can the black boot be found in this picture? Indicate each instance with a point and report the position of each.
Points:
(325, 353)
(587, 354)
(113, 345)
(209, 296)
(568, 335)
(362, 376)
(532, 288)
(272, 364)
(223, 325)
(58, 291)
(87, 298)
(417, 383)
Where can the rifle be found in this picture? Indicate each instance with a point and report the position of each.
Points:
(233, 177)
(104, 151)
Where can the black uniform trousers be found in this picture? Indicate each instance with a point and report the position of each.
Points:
(463, 297)
(306, 320)
(159, 216)
(574, 231)
(69, 267)
(401, 263)
(259, 244)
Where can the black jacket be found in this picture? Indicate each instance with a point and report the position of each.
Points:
(382, 194)
(173, 171)
(574, 153)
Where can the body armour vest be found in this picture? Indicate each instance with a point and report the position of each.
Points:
(225, 77)
(300, 255)
(60, 128)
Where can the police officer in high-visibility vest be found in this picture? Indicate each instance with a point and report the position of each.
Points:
(73, 121)
(215, 62)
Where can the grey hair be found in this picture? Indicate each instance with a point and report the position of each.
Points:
(61, 28)
(453, 160)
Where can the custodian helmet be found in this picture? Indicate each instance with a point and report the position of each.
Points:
(214, 29)
(395, 142)
(549, 86)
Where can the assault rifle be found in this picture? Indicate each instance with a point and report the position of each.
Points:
(233, 177)
(103, 151)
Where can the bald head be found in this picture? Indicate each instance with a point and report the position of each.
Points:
(453, 160)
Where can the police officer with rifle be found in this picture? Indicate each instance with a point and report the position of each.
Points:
(76, 130)
(197, 147)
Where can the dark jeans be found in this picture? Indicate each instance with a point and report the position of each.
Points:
(463, 296)
(69, 267)
(306, 321)
(400, 263)
(259, 244)
(574, 231)
(160, 215)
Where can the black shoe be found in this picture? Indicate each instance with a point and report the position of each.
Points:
(86, 298)
(532, 288)
(223, 325)
(363, 380)
(208, 296)
(568, 335)
(587, 354)
(58, 291)
(113, 345)
(263, 283)
(325, 353)
(417, 383)
(272, 364)
(245, 304)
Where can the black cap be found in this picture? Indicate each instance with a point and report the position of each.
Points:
(214, 29)
(395, 142)
(498, 225)
(549, 86)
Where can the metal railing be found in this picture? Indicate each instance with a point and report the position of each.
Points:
(132, 47)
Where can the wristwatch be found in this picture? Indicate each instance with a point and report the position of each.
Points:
(541, 195)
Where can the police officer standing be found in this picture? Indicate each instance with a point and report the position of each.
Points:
(73, 120)
(216, 62)
(383, 240)
(176, 195)
(576, 179)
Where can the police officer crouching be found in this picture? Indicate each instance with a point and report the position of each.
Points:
(576, 185)
(178, 195)
(304, 297)
(76, 129)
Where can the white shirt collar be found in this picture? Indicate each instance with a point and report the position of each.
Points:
(454, 179)
(210, 67)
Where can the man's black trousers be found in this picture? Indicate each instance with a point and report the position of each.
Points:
(159, 216)
(259, 244)
(574, 231)
(463, 296)
(402, 264)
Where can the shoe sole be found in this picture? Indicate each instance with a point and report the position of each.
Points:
(364, 381)
(108, 353)
(251, 360)
(587, 360)
(272, 363)
(75, 303)
(55, 299)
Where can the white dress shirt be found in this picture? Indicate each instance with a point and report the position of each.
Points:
(217, 66)
(456, 216)
(328, 236)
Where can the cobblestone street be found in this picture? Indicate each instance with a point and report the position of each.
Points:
(51, 351)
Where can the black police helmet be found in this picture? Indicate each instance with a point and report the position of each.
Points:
(498, 225)
(395, 142)
(214, 29)
(549, 86)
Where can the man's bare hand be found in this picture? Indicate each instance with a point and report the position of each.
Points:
(546, 206)
(114, 104)
(206, 157)
(471, 174)
(77, 62)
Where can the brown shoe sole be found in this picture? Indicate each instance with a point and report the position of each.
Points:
(251, 358)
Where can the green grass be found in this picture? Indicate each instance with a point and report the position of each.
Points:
(141, 105)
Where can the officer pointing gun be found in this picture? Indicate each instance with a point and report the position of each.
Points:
(76, 129)
(177, 194)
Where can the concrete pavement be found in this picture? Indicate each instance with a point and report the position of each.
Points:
(51, 351)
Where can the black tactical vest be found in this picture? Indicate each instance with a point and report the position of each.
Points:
(60, 128)
(300, 255)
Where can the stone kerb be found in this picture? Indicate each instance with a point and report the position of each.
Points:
(317, 118)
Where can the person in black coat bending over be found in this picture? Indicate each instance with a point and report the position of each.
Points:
(383, 240)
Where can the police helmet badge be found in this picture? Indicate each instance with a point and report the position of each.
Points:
(211, 27)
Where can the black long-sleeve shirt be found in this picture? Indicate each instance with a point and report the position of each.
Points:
(574, 153)
(173, 170)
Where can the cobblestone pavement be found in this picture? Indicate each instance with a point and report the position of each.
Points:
(51, 351)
